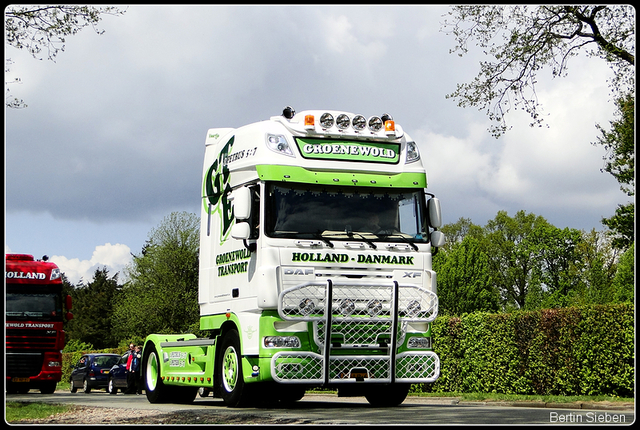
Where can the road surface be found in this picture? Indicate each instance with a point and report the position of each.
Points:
(331, 409)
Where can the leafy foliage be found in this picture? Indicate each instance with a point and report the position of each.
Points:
(464, 281)
(93, 310)
(44, 28)
(523, 40)
(571, 351)
(161, 295)
(619, 143)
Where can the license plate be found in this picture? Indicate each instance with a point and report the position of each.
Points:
(19, 379)
(105, 372)
(359, 374)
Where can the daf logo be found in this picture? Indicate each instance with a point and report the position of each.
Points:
(412, 274)
(302, 272)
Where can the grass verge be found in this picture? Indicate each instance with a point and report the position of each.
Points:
(17, 411)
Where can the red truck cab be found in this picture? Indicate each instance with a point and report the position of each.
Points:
(34, 320)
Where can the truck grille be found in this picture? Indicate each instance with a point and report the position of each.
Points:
(31, 339)
(24, 364)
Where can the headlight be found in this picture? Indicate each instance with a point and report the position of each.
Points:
(326, 120)
(413, 308)
(375, 124)
(306, 306)
(278, 143)
(347, 306)
(419, 342)
(281, 342)
(412, 152)
(343, 121)
(374, 308)
(359, 122)
(55, 274)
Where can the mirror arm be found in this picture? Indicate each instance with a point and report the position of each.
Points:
(250, 246)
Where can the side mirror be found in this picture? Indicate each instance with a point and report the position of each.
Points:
(435, 214)
(242, 203)
(241, 231)
(438, 239)
(68, 302)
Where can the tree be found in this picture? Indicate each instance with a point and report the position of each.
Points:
(595, 270)
(464, 280)
(619, 144)
(93, 311)
(525, 39)
(161, 295)
(40, 29)
(623, 285)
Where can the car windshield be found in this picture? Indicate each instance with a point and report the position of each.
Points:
(345, 213)
(106, 360)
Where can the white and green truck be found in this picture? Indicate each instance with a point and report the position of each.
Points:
(317, 236)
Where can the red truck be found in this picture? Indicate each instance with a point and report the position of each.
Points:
(34, 323)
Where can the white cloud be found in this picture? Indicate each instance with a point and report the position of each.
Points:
(113, 257)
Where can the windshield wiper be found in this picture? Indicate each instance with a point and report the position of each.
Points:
(350, 233)
(404, 239)
(319, 235)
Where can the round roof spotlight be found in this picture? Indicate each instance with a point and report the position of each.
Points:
(326, 120)
(343, 121)
(288, 112)
(375, 124)
(386, 117)
(359, 122)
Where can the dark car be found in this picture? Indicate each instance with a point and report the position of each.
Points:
(92, 371)
(118, 375)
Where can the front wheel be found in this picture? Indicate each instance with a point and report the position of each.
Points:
(48, 388)
(388, 395)
(111, 388)
(233, 390)
(155, 389)
(72, 386)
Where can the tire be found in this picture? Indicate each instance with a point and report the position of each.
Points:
(233, 390)
(72, 387)
(111, 388)
(85, 387)
(388, 395)
(154, 388)
(48, 387)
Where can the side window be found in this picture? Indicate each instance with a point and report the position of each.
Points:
(82, 362)
(255, 211)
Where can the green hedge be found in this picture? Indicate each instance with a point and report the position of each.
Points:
(69, 359)
(570, 351)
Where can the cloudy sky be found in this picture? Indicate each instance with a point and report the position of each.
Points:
(112, 139)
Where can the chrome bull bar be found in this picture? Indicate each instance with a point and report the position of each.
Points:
(365, 317)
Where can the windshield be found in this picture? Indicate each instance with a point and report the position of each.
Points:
(43, 302)
(42, 306)
(345, 213)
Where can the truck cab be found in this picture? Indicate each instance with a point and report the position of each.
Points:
(317, 234)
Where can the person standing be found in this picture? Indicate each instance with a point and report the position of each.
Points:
(135, 369)
(130, 375)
